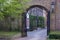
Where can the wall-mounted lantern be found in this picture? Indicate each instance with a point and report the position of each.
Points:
(52, 6)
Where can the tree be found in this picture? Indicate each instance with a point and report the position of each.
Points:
(11, 8)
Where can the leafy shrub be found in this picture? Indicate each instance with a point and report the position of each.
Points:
(33, 21)
(54, 36)
(41, 22)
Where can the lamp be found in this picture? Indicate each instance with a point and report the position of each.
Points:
(52, 6)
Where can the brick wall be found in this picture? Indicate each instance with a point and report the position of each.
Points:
(57, 15)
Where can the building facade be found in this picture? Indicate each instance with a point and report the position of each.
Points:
(54, 16)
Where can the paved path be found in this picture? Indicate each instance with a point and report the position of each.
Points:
(35, 35)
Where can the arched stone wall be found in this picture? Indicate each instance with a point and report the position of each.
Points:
(39, 6)
(47, 11)
(44, 3)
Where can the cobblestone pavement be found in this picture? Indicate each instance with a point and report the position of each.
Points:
(36, 35)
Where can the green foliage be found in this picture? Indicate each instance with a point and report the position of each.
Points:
(32, 17)
(33, 21)
(3, 33)
(54, 35)
(11, 8)
(41, 22)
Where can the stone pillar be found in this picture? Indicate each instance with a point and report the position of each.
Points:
(53, 17)
(57, 15)
(23, 27)
(52, 21)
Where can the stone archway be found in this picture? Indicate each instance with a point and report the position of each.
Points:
(48, 15)
(39, 6)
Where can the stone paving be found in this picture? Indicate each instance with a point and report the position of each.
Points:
(35, 35)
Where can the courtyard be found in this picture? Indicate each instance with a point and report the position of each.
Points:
(39, 34)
